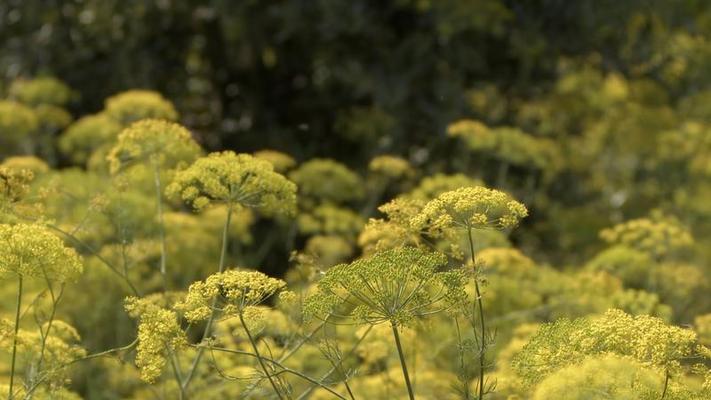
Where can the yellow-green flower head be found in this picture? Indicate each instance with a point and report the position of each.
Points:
(14, 184)
(330, 219)
(327, 180)
(34, 251)
(160, 141)
(477, 135)
(31, 163)
(234, 289)
(52, 118)
(391, 167)
(506, 261)
(471, 208)
(86, 135)
(602, 377)
(647, 339)
(226, 177)
(44, 90)
(432, 186)
(658, 236)
(282, 162)
(329, 249)
(159, 334)
(16, 122)
(396, 285)
(134, 105)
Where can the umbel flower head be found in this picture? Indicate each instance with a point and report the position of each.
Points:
(236, 291)
(43, 90)
(226, 177)
(134, 105)
(282, 162)
(16, 122)
(327, 180)
(644, 338)
(31, 250)
(471, 208)
(159, 141)
(391, 167)
(86, 135)
(159, 334)
(396, 285)
(658, 235)
(14, 184)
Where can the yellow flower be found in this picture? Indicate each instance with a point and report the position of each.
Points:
(134, 105)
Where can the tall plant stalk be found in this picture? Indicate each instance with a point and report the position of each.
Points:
(259, 357)
(208, 326)
(403, 364)
(482, 323)
(161, 223)
(14, 338)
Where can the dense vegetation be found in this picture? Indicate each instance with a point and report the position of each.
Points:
(483, 199)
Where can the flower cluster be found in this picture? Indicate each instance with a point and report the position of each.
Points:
(282, 162)
(395, 285)
(16, 122)
(160, 141)
(656, 236)
(394, 231)
(14, 184)
(391, 167)
(330, 219)
(646, 339)
(432, 186)
(242, 179)
(327, 180)
(31, 250)
(471, 207)
(606, 376)
(31, 163)
(159, 335)
(86, 135)
(134, 105)
(234, 290)
(45, 90)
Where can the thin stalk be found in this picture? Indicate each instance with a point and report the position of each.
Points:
(45, 335)
(14, 338)
(259, 356)
(208, 326)
(410, 392)
(666, 385)
(161, 223)
(178, 377)
(482, 324)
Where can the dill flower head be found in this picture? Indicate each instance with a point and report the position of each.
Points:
(86, 135)
(31, 163)
(391, 167)
(282, 162)
(327, 180)
(159, 334)
(396, 285)
(475, 134)
(52, 118)
(658, 236)
(471, 207)
(155, 140)
(647, 339)
(605, 376)
(235, 291)
(14, 184)
(432, 186)
(44, 90)
(16, 122)
(330, 219)
(134, 105)
(227, 177)
(329, 249)
(31, 250)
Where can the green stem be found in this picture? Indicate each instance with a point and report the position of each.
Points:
(208, 326)
(482, 324)
(666, 385)
(161, 223)
(259, 356)
(410, 392)
(14, 338)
